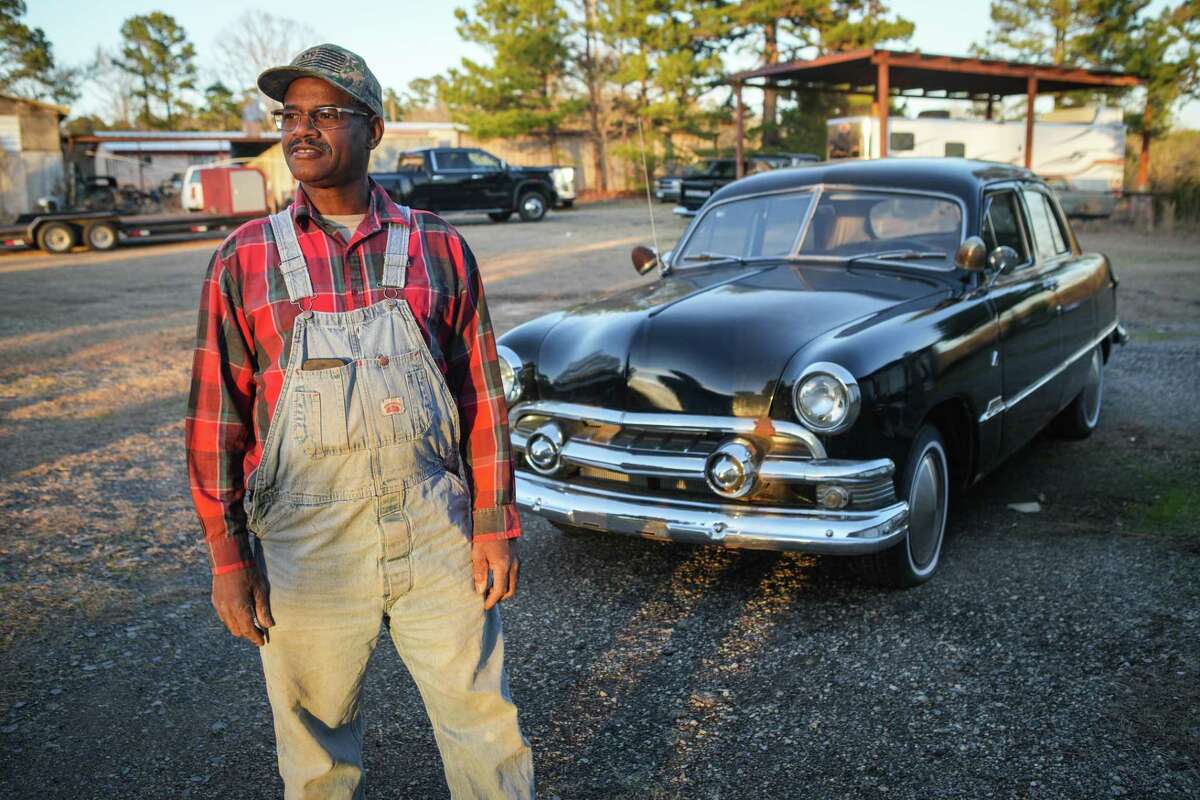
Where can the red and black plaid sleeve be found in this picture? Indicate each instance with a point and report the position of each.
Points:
(474, 377)
(219, 427)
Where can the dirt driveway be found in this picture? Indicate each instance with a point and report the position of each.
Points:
(1056, 655)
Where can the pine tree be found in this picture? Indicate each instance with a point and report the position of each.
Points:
(156, 51)
(787, 29)
(27, 65)
(524, 89)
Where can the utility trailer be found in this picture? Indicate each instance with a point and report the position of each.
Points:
(59, 232)
(232, 195)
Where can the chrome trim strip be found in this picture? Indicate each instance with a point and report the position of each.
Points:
(649, 465)
(806, 530)
(829, 470)
(998, 405)
(995, 406)
(665, 421)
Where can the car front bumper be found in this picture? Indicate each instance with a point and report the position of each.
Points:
(808, 530)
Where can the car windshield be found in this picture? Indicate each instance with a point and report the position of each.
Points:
(846, 224)
(857, 223)
(757, 227)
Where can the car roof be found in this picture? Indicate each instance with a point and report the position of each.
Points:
(957, 176)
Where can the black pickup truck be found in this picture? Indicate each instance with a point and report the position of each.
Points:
(695, 190)
(469, 179)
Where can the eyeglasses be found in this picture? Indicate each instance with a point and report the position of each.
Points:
(322, 118)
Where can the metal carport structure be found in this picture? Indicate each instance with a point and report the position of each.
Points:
(883, 74)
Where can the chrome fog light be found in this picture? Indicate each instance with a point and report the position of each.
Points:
(543, 448)
(732, 468)
(832, 496)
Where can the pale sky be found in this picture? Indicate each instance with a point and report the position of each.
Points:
(403, 39)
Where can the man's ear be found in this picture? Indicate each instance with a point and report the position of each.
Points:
(376, 132)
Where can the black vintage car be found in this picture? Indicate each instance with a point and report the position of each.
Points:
(827, 355)
(694, 190)
(472, 180)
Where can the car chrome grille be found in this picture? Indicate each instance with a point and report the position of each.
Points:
(646, 446)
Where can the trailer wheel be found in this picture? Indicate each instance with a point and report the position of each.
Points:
(101, 236)
(56, 237)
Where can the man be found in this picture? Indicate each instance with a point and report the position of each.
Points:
(347, 409)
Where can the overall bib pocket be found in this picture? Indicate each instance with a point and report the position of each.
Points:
(319, 408)
(400, 395)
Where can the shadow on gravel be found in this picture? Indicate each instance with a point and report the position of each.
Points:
(44, 441)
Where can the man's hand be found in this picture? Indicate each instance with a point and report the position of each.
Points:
(242, 598)
(500, 557)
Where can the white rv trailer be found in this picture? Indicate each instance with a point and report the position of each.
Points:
(1083, 160)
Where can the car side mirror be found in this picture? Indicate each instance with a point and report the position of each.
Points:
(644, 259)
(1003, 260)
(971, 255)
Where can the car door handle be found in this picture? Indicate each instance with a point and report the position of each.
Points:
(439, 177)
(476, 176)
(1050, 283)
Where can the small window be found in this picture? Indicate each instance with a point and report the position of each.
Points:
(956, 150)
(411, 162)
(1047, 235)
(485, 161)
(902, 141)
(1002, 227)
(447, 160)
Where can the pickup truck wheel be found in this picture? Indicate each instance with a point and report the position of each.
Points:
(531, 206)
(1080, 418)
(499, 216)
(925, 483)
(100, 236)
(56, 237)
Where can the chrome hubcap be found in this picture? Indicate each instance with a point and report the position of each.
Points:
(58, 239)
(1093, 391)
(927, 510)
(102, 237)
(533, 204)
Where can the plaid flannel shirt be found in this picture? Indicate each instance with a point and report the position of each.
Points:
(244, 338)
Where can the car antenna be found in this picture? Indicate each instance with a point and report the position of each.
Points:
(649, 204)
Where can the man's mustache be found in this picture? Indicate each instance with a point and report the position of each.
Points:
(316, 144)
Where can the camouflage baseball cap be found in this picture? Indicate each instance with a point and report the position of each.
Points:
(336, 65)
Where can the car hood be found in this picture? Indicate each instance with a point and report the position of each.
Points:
(711, 340)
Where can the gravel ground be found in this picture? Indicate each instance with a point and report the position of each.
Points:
(1056, 655)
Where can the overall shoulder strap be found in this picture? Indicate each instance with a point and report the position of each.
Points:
(395, 254)
(291, 259)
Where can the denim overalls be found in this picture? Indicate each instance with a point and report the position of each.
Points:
(360, 513)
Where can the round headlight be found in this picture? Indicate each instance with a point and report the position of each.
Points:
(826, 398)
(510, 374)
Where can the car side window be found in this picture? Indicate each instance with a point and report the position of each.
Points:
(1047, 235)
(411, 162)
(451, 160)
(481, 160)
(1002, 226)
